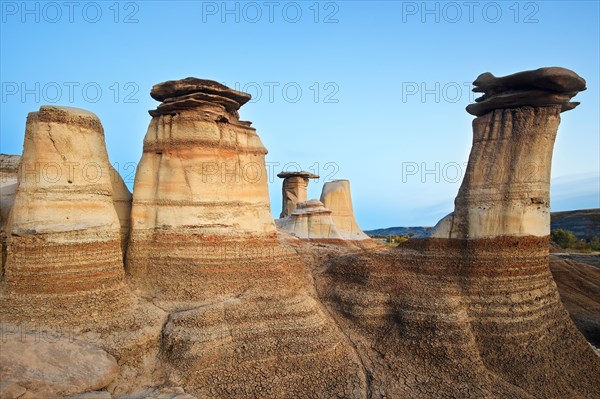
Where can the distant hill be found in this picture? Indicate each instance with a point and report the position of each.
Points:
(400, 231)
(584, 223)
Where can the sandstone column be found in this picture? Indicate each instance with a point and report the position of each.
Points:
(203, 244)
(202, 174)
(496, 241)
(64, 260)
(336, 197)
(294, 190)
(506, 187)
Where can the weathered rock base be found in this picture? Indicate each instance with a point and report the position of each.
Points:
(472, 318)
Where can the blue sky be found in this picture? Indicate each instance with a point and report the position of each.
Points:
(373, 92)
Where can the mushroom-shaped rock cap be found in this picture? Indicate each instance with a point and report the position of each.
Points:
(536, 88)
(306, 175)
(177, 88)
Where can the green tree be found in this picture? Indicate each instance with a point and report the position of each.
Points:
(564, 238)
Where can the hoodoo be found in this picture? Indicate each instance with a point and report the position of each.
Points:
(203, 245)
(482, 281)
(506, 189)
(336, 197)
(294, 190)
(200, 190)
(64, 260)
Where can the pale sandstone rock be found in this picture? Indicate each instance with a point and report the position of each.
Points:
(336, 197)
(310, 220)
(64, 261)
(203, 169)
(506, 187)
(243, 320)
(294, 190)
(9, 165)
(122, 202)
(53, 366)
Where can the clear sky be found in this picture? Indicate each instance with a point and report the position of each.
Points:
(370, 91)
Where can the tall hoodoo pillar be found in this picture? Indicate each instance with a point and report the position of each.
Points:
(203, 239)
(64, 260)
(336, 197)
(506, 187)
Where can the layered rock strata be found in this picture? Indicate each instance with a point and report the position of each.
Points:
(475, 313)
(336, 197)
(64, 260)
(470, 317)
(310, 220)
(506, 187)
(244, 321)
(294, 190)
(542, 87)
(122, 202)
(9, 165)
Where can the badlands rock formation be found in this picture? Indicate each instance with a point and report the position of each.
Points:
(475, 313)
(64, 259)
(244, 321)
(249, 312)
(336, 197)
(202, 174)
(293, 190)
(310, 220)
(506, 189)
(64, 274)
(9, 165)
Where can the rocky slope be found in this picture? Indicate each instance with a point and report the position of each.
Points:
(584, 223)
(578, 281)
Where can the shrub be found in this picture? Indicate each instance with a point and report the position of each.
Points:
(595, 244)
(564, 238)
